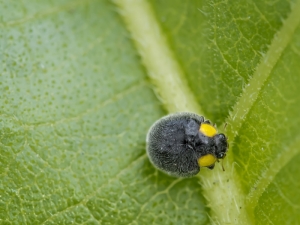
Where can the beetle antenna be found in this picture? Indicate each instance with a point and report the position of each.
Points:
(222, 165)
(225, 125)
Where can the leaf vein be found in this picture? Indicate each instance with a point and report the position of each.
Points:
(43, 14)
(88, 197)
(106, 102)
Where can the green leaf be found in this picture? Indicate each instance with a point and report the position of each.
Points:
(76, 105)
(82, 81)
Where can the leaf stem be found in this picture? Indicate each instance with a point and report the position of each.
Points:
(222, 190)
(162, 67)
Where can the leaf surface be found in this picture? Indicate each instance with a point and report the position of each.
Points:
(77, 103)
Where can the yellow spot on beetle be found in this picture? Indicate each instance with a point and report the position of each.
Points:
(207, 160)
(208, 130)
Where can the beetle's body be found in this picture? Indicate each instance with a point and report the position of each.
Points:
(176, 144)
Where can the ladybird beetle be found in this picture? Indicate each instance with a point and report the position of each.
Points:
(180, 144)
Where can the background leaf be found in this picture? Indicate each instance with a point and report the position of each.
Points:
(75, 110)
(77, 103)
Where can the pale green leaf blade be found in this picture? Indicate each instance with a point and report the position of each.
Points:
(76, 105)
(269, 167)
(75, 109)
(283, 194)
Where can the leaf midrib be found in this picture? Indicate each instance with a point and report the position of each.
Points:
(162, 66)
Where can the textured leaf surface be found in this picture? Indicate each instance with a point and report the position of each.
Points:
(75, 109)
(76, 104)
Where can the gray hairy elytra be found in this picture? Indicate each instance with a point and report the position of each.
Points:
(178, 146)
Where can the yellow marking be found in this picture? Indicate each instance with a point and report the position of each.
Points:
(207, 160)
(208, 130)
